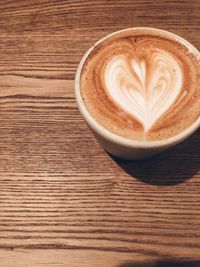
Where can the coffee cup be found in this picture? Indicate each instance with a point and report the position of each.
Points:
(122, 146)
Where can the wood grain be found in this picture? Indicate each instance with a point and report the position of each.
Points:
(63, 200)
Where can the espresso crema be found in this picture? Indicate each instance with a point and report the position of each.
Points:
(142, 87)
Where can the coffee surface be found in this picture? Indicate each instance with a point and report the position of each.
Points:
(142, 87)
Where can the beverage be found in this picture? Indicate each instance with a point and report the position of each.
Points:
(142, 84)
(138, 89)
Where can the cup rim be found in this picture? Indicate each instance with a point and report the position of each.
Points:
(115, 138)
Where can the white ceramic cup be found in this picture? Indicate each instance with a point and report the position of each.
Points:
(120, 146)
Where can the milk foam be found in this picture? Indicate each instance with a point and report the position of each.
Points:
(145, 91)
(142, 87)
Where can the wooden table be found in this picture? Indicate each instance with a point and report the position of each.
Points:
(63, 200)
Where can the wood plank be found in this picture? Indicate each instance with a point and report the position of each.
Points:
(63, 200)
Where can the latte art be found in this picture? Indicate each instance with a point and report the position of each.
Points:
(142, 87)
(146, 97)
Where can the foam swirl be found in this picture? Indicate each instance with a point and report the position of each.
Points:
(142, 87)
(144, 92)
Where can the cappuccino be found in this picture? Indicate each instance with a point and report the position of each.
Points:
(142, 86)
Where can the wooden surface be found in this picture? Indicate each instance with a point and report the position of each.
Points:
(63, 200)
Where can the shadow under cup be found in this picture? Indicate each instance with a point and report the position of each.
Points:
(120, 146)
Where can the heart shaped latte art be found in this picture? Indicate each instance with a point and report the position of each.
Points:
(145, 93)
